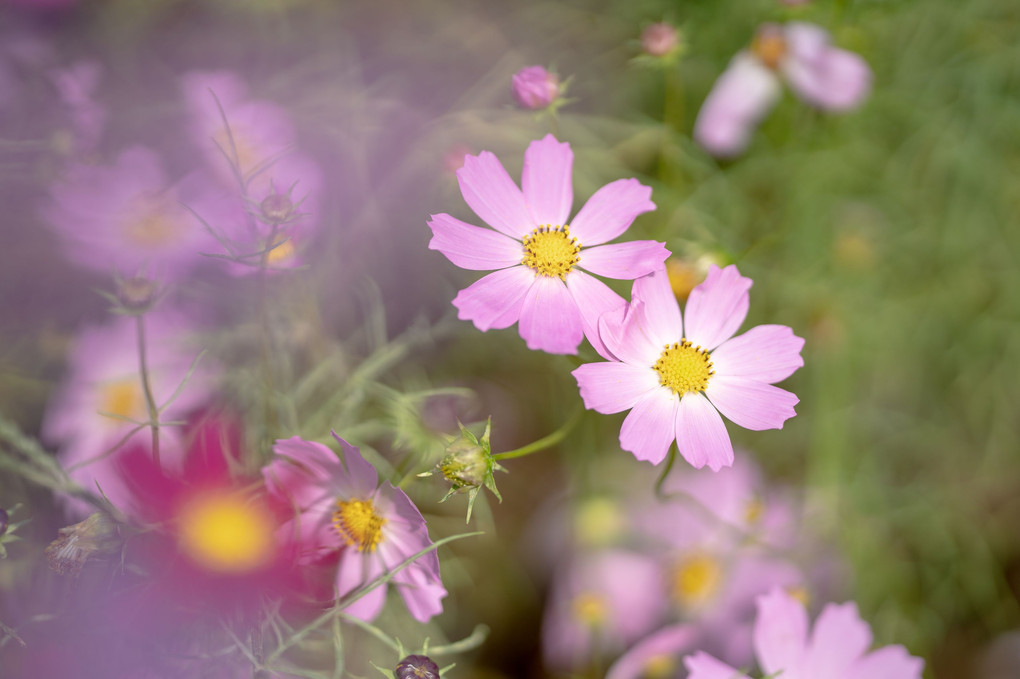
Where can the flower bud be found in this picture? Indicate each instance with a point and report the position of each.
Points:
(417, 667)
(468, 465)
(535, 88)
(660, 39)
(276, 208)
(136, 293)
(95, 536)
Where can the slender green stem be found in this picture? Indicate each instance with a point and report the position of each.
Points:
(147, 388)
(665, 472)
(544, 442)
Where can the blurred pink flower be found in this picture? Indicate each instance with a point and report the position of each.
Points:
(824, 76)
(657, 655)
(539, 256)
(837, 648)
(676, 377)
(76, 86)
(126, 218)
(342, 506)
(535, 88)
(104, 384)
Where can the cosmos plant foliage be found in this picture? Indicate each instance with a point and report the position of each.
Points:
(259, 493)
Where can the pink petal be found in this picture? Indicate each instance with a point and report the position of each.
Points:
(363, 478)
(780, 632)
(667, 642)
(546, 181)
(494, 301)
(742, 95)
(662, 320)
(625, 261)
(750, 404)
(298, 474)
(765, 353)
(613, 387)
(493, 195)
(622, 330)
(827, 77)
(838, 640)
(889, 662)
(593, 298)
(610, 211)
(716, 307)
(356, 569)
(648, 430)
(472, 247)
(703, 666)
(550, 320)
(701, 435)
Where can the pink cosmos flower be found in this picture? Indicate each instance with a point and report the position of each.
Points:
(657, 655)
(539, 256)
(340, 505)
(824, 76)
(676, 375)
(126, 218)
(535, 88)
(837, 647)
(103, 384)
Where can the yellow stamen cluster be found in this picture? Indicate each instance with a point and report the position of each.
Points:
(695, 579)
(660, 667)
(590, 609)
(769, 46)
(123, 398)
(550, 251)
(224, 533)
(684, 368)
(151, 228)
(358, 524)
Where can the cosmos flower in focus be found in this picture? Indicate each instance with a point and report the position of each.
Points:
(826, 77)
(536, 88)
(342, 506)
(676, 375)
(836, 648)
(541, 259)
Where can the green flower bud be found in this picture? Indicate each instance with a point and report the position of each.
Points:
(468, 465)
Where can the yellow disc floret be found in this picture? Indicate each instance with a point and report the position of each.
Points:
(660, 667)
(695, 579)
(550, 251)
(224, 533)
(358, 524)
(590, 609)
(123, 398)
(769, 46)
(683, 367)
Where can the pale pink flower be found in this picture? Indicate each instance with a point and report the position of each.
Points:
(827, 77)
(836, 649)
(341, 505)
(657, 655)
(676, 375)
(535, 88)
(539, 256)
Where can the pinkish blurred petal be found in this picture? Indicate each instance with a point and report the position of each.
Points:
(301, 476)
(356, 569)
(667, 643)
(765, 353)
(610, 211)
(472, 247)
(703, 666)
(494, 301)
(780, 632)
(701, 435)
(662, 321)
(593, 298)
(550, 320)
(625, 261)
(648, 430)
(613, 387)
(741, 97)
(888, 662)
(838, 640)
(827, 77)
(363, 478)
(493, 195)
(546, 181)
(716, 307)
(750, 404)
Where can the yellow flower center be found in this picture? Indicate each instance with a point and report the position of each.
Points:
(248, 156)
(682, 278)
(590, 609)
(224, 533)
(684, 368)
(695, 579)
(754, 510)
(550, 251)
(769, 46)
(150, 225)
(283, 251)
(659, 667)
(123, 397)
(800, 594)
(358, 524)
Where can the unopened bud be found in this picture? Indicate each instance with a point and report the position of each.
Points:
(660, 39)
(95, 536)
(417, 667)
(276, 208)
(535, 88)
(136, 293)
(468, 465)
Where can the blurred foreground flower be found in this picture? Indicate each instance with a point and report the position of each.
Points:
(536, 88)
(824, 76)
(539, 256)
(340, 505)
(837, 648)
(676, 377)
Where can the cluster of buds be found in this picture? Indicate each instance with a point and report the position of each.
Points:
(468, 465)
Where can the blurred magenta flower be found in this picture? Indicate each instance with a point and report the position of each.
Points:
(126, 218)
(827, 77)
(539, 257)
(535, 88)
(340, 505)
(837, 647)
(675, 377)
(92, 411)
